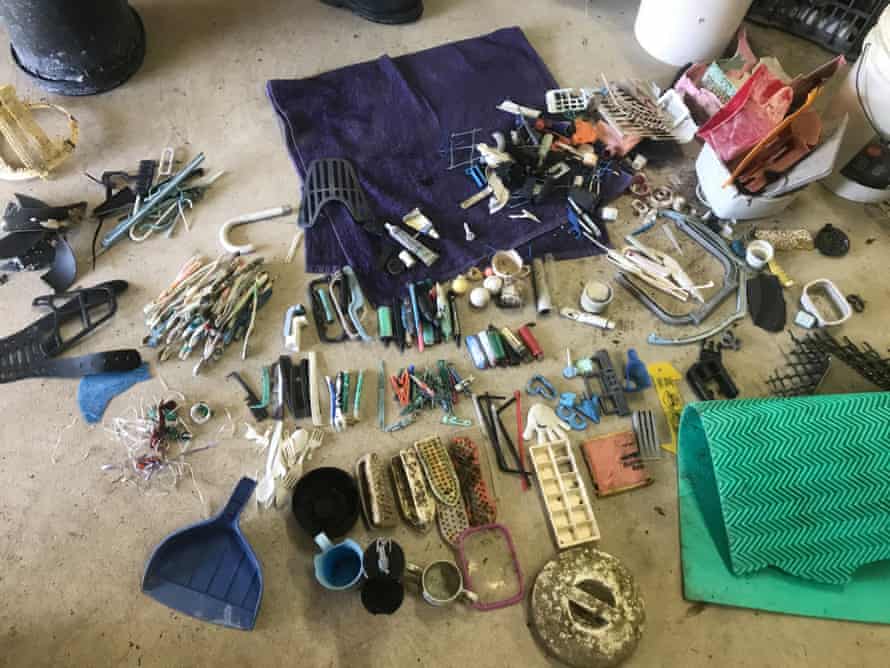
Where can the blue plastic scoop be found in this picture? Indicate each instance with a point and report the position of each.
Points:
(208, 570)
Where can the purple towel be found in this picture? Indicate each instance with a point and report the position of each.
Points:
(392, 117)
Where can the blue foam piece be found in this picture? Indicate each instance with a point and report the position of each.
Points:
(95, 392)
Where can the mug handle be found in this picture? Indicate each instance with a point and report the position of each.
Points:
(468, 597)
(323, 542)
(415, 570)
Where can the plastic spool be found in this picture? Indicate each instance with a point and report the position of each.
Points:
(758, 254)
(678, 32)
(596, 297)
(872, 71)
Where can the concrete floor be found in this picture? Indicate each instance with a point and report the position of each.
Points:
(73, 544)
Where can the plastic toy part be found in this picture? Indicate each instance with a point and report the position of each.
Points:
(332, 180)
(563, 494)
(636, 377)
(827, 289)
(667, 385)
(710, 370)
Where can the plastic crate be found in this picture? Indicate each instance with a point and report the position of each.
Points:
(838, 25)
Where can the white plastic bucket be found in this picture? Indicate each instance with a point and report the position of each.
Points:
(677, 32)
(872, 71)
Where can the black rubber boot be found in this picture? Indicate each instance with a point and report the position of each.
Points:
(382, 11)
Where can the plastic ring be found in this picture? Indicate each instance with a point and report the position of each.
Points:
(200, 413)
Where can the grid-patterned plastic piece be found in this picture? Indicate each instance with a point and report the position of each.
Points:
(863, 359)
(646, 434)
(564, 495)
(568, 100)
(332, 180)
(800, 484)
(417, 504)
(804, 371)
(481, 507)
(632, 110)
(453, 521)
(378, 502)
(439, 470)
(838, 25)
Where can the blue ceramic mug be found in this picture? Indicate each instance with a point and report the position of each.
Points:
(338, 567)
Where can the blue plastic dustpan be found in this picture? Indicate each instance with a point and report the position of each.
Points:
(208, 570)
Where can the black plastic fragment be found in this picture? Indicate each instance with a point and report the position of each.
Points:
(832, 241)
(766, 302)
(612, 398)
(709, 370)
(333, 180)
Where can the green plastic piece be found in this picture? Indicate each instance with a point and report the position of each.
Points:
(429, 334)
(267, 390)
(357, 400)
(344, 395)
(445, 322)
(384, 322)
(799, 484)
(326, 306)
(497, 344)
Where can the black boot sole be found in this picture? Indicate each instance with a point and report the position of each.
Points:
(395, 18)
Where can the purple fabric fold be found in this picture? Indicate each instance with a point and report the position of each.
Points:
(391, 118)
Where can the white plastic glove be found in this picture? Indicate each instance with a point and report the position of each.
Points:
(543, 421)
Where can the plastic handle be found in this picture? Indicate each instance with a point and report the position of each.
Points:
(323, 542)
(240, 496)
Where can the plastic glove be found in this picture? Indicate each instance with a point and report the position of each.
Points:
(543, 421)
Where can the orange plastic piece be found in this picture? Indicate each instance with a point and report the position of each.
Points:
(585, 133)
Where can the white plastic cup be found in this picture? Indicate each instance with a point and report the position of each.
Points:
(678, 32)
(759, 254)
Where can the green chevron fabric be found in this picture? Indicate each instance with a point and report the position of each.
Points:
(801, 484)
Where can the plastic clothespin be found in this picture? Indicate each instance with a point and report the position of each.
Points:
(294, 321)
